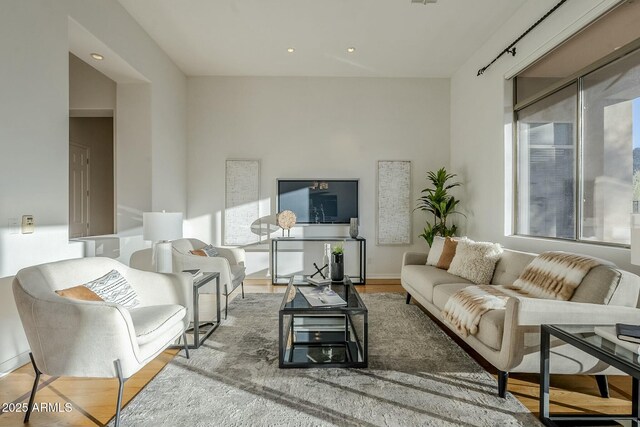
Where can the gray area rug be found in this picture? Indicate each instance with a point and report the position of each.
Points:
(417, 376)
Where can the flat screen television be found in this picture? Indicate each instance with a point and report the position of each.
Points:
(319, 201)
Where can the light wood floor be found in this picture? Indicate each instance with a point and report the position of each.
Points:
(93, 400)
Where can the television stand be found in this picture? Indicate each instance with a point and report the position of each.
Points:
(360, 279)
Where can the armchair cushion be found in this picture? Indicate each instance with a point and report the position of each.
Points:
(79, 292)
(151, 322)
(112, 287)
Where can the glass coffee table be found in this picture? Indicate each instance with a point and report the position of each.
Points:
(585, 338)
(331, 337)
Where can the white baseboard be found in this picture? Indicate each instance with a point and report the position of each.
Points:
(14, 363)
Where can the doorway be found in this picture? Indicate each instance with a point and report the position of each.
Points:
(91, 177)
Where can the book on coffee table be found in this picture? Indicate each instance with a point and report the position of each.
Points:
(318, 282)
(319, 297)
(609, 333)
(629, 333)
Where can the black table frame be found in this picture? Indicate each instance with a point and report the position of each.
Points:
(331, 312)
(284, 280)
(554, 420)
(197, 324)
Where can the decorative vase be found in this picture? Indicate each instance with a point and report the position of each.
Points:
(353, 228)
(337, 267)
(326, 260)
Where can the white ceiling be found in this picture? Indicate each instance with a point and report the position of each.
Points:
(393, 38)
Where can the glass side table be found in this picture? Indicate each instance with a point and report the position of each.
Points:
(200, 335)
(584, 338)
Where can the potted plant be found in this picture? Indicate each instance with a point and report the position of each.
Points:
(437, 201)
(337, 263)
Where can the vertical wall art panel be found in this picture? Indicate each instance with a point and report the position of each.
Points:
(242, 201)
(394, 203)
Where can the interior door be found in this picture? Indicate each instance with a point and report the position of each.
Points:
(78, 191)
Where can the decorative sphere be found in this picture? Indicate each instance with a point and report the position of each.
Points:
(286, 219)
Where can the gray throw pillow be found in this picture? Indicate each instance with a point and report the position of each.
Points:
(210, 251)
(435, 251)
(114, 288)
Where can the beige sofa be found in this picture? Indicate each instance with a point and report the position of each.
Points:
(509, 339)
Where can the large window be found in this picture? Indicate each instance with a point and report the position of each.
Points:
(578, 156)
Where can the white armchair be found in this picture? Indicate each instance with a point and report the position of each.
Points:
(230, 264)
(70, 337)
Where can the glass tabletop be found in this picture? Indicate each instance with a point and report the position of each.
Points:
(601, 339)
(295, 300)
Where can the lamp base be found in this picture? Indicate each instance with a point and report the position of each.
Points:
(162, 257)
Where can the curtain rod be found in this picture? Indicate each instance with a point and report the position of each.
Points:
(512, 47)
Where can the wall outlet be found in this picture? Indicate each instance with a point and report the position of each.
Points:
(28, 225)
(14, 226)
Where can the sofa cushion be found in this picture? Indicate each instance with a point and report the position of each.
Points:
(435, 251)
(598, 285)
(152, 321)
(510, 266)
(475, 261)
(448, 252)
(491, 326)
(424, 278)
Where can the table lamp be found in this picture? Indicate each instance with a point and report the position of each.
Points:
(161, 228)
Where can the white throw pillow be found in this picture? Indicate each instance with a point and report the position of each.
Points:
(475, 261)
(112, 287)
(436, 250)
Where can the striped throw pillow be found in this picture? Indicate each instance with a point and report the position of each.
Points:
(114, 288)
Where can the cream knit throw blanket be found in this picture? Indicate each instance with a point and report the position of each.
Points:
(551, 275)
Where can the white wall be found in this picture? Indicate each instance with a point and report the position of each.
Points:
(89, 90)
(480, 129)
(313, 128)
(34, 111)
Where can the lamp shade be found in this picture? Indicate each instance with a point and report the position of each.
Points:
(159, 226)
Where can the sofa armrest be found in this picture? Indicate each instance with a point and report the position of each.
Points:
(534, 311)
(414, 258)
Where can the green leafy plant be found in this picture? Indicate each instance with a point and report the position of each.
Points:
(338, 249)
(437, 201)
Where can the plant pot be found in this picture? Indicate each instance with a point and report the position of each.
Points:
(337, 267)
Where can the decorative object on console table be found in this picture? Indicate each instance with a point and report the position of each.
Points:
(286, 220)
(394, 203)
(326, 260)
(161, 228)
(353, 228)
(337, 263)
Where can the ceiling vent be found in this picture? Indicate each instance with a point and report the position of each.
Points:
(423, 1)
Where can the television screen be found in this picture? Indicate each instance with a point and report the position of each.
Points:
(319, 201)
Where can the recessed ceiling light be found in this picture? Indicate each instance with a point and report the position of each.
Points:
(97, 56)
(291, 50)
(351, 49)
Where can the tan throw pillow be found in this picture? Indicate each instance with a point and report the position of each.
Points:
(448, 252)
(79, 292)
(198, 252)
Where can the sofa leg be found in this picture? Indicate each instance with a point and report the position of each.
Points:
(408, 298)
(603, 385)
(226, 306)
(121, 381)
(33, 390)
(503, 379)
(242, 289)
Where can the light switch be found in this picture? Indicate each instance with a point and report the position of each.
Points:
(14, 226)
(28, 225)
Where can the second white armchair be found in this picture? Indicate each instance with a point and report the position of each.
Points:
(230, 263)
